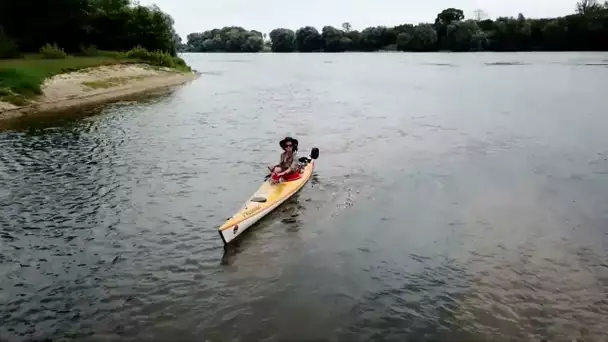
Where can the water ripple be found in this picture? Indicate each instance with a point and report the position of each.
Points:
(463, 209)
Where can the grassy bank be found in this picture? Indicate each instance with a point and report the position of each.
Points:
(21, 79)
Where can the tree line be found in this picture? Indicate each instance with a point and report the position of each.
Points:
(587, 29)
(115, 25)
(227, 39)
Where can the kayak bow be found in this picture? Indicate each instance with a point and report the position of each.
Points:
(267, 198)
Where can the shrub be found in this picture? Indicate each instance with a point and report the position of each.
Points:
(52, 52)
(16, 99)
(158, 58)
(89, 50)
(138, 52)
(112, 54)
(8, 48)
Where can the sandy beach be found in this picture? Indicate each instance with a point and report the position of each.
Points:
(96, 86)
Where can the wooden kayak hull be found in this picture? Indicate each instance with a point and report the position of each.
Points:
(267, 198)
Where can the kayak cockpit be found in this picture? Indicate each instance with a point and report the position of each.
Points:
(303, 161)
(292, 176)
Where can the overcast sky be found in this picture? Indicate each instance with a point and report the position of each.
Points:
(266, 15)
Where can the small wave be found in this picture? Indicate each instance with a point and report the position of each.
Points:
(211, 73)
(230, 61)
(440, 64)
(504, 63)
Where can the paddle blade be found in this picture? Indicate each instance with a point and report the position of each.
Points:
(314, 154)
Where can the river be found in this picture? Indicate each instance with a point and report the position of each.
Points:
(457, 196)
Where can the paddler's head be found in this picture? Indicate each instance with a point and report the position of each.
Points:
(289, 144)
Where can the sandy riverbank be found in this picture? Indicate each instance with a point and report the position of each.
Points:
(96, 86)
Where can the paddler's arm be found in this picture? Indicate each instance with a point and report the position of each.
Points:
(285, 172)
(291, 167)
(271, 168)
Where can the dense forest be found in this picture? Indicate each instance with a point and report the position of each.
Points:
(116, 25)
(587, 29)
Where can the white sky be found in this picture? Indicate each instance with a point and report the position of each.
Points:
(266, 15)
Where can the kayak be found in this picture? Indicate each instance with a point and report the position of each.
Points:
(267, 198)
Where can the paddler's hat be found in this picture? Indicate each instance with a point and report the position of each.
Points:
(293, 141)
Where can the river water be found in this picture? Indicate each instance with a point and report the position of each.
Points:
(457, 196)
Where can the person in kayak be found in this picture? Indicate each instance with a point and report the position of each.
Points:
(288, 162)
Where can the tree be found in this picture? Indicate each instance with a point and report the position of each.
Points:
(587, 6)
(253, 43)
(308, 39)
(444, 20)
(283, 40)
(403, 41)
(554, 35)
(257, 33)
(510, 34)
(107, 24)
(335, 40)
(354, 38)
(226, 39)
(375, 38)
(449, 15)
(479, 41)
(346, 26)
(463, 36)
(424, 39)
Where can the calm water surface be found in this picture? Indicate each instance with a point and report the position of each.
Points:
(457, 196)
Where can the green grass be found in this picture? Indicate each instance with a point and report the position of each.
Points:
(21, 79)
